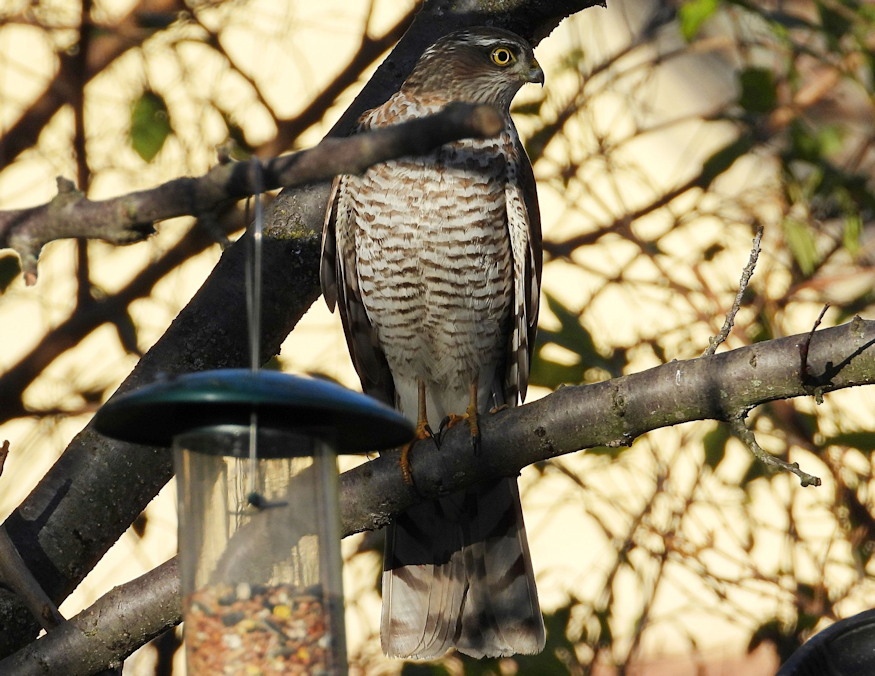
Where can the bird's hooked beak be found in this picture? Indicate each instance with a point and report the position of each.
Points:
(535, 74)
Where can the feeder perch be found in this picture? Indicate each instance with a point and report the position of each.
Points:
(259, 529)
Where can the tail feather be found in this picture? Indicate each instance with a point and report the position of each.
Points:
(457, 574)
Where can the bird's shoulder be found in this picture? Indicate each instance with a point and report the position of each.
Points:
(401, 107)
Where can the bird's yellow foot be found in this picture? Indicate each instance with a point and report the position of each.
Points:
(423, 431)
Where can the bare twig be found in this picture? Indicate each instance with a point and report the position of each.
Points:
(746, 274)
(369, 50)
(747, 436)
(566, 248)
(15, 574)
(805, 345)
(130, 218)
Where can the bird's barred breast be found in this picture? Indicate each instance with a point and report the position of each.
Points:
(434, 261)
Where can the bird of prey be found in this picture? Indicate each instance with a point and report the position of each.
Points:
(434, 263)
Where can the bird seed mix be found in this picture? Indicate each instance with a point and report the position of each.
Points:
(250, 630)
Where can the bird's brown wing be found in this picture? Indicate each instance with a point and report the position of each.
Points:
(524, 228)
(340, 287)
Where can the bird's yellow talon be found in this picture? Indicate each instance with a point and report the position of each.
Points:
(473, 420)
(404, 462)
(452, 420)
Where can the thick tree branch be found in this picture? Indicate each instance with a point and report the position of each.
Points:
(130, 218)
(612, 413)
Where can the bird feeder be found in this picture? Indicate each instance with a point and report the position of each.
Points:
(259, 529)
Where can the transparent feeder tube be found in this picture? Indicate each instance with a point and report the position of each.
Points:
(259, 544)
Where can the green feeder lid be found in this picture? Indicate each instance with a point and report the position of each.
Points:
(156, 413)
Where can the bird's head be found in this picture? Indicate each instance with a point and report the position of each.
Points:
(477, 65)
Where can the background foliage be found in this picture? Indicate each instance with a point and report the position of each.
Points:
(667, 134)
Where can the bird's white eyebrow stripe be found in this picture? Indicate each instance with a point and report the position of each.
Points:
(487, 41)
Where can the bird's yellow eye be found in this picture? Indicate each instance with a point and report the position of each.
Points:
(502, 56)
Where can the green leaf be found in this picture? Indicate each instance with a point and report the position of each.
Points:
(572, 59)
(571, 334)
(577, 340)
(759, 92)
(150, 125)
(559, 650)
(853, 223)
(755, 470)
(802, 245)
(548, 373)
(831, 138)
(240, 148)
(693, 14)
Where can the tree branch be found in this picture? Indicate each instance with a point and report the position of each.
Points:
(130, 218)
(612, 413)
(15, 574)
(746, 435)
(104, 634)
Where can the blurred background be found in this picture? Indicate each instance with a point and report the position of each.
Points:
(666, 134)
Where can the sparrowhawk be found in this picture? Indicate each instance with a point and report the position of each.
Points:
(435, 264)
